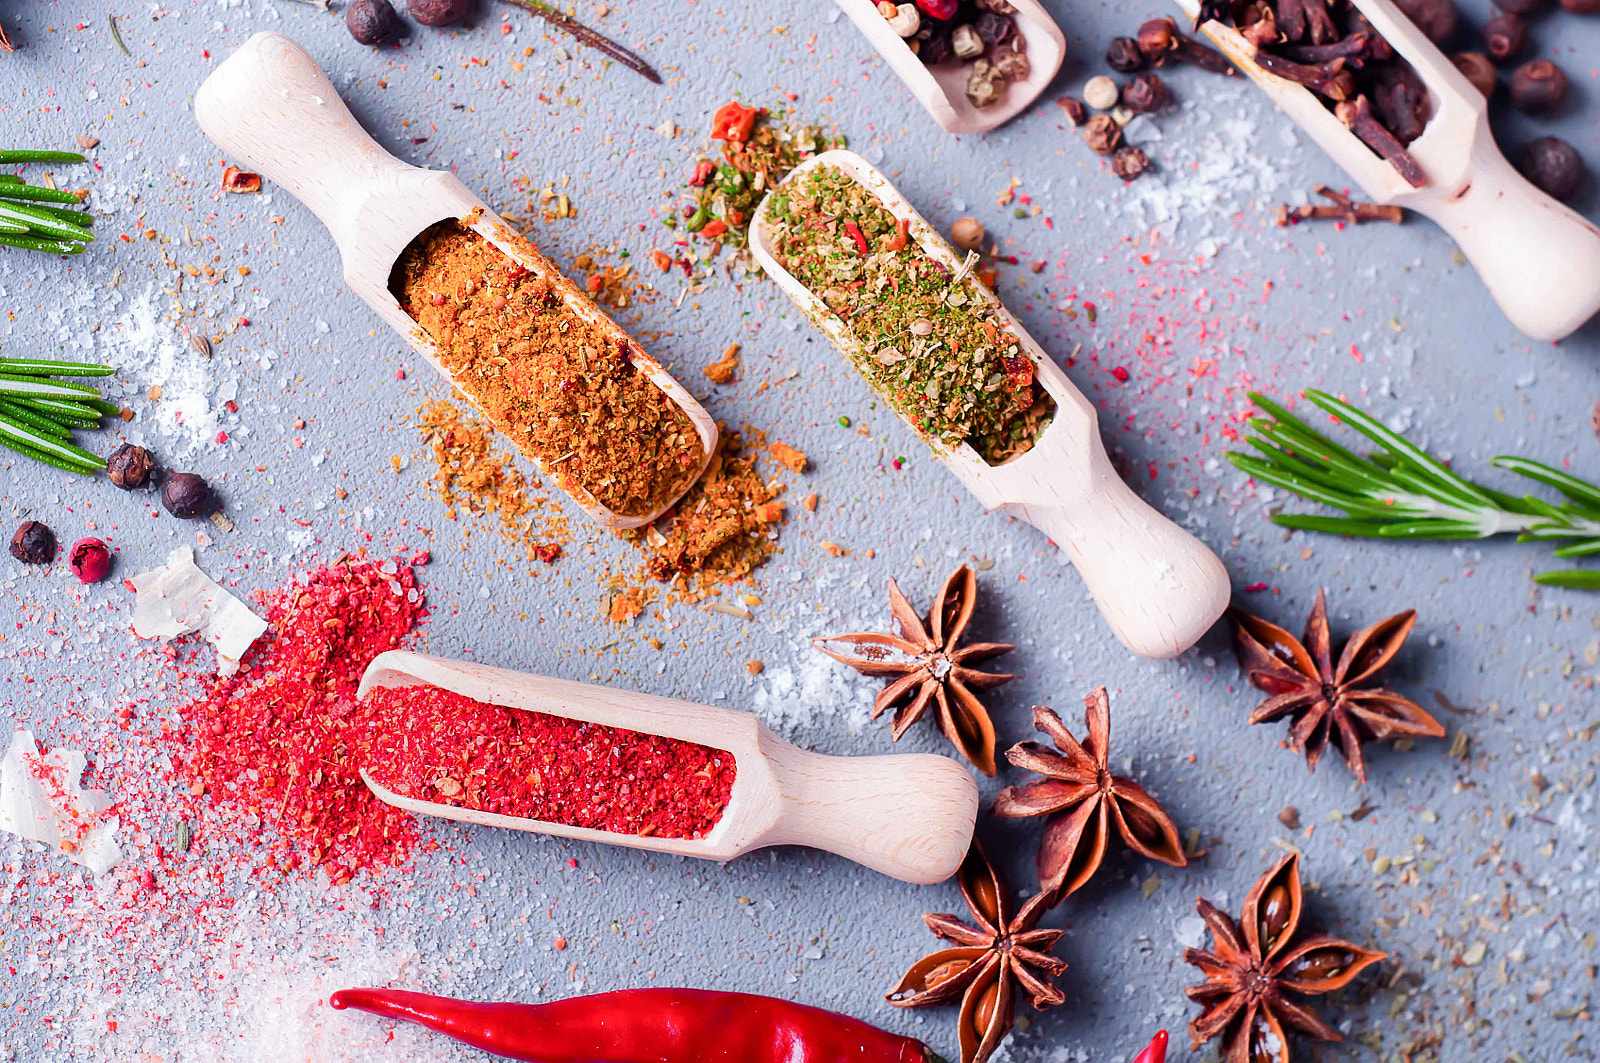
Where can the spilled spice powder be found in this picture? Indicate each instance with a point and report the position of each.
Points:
(471, 475)
(436, 745)
(614, 286)
(272, 743)
(569, 393)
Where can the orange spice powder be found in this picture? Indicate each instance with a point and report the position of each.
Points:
(566, 391)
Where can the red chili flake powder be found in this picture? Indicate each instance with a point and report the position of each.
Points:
(274, 741)
(436, 745)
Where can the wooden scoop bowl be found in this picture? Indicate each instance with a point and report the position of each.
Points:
(1540, 260)
(271, 107)
(1157, 586)
(907, 815)
(942, 90)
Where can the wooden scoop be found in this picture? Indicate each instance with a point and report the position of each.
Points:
(1157, 586)
(1539, 259)
(270, 106)
(908, 815)
(943, 89)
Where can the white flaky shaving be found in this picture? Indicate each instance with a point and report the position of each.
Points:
(41, 799)
(178, 598)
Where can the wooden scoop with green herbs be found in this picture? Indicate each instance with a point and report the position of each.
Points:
(960, 370)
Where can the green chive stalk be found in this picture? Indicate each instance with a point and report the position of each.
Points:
(32, 217)
(1400, 491)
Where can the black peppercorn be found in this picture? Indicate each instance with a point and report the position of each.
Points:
(1125, 56)
(439, 12)
(1476, 68)
(1538, 87)
(33, 544)
(129, 467)
(1505, 36)
(186, 495)
(1554, 166)
(1147, 94)
(371, 21)
(1437, 19)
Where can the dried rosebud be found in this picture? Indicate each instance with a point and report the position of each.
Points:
(1476, 68)
(187, 495)
(129, 467)
(1505, 36)
(240, 181)
(1554, 166)
(1129, 162)
(1124, 56)
(1538, 87)
(89, 560)
(1147, 94)
(33, 544)
(1437, 19)
(439, 12)
(1102, 134)
(1075, 111)
(994, 29)
(371, 21)
(967, 233)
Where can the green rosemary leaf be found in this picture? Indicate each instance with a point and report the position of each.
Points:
(1284, 417)
(48, 459)
(52, 367)
(41, 243)
(1287, 480)
(1579, 579)
(1434, 529)
(1401, 447)
(37, 192)
(1366, 529)
(1584, 494)
(1293, 439)
(1586, 548)
(11, 156)
(1292, 463)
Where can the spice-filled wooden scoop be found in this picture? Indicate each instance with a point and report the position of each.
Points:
(270, 107)
(1157, 586)
(942, 89)
(1539, 259)
(907, 815)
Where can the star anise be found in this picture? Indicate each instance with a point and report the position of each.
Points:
(1085, 799)
(1329, 703)
(1248, 975)
(928, 665)
(991, 962)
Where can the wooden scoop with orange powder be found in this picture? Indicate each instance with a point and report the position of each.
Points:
(477, 299)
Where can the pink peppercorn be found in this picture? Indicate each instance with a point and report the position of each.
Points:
(90, 560)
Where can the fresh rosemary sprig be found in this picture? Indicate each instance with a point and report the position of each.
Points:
(38, 413)
(1402, 492)
(585, 35)
(32, 216)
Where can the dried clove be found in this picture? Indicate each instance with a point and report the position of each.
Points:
(1401, 100)
(1102, 134)
(1329, 79)
(1554, 166)
(1160, 41)
(1505, 36)
(1129, 162)
(1124, 56)
(1147, 94)
(1476, 68)
(1538, 87)
(1343, 208)
(1358, 45)
(1357, 115)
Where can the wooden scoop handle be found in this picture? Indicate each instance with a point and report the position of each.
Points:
(1158, 587)
(1539, 259)
(271, 106)
(909, 815)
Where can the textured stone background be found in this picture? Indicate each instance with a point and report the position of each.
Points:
(1199, 298)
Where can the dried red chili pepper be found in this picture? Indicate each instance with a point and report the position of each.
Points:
(902, 235)
(858, 236)
(702, 172)
(714, 228)
(1155, 1051)
(646, 1026)
(733, 121)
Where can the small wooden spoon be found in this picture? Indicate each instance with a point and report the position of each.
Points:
(907, 815)
(943, 89)
(1158, 587)
(1539, 259)
(271, 106)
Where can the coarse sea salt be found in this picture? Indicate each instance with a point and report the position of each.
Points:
(42, 799)
(178, 598)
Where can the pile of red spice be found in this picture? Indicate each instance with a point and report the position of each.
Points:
(274, 742)
(435, 745)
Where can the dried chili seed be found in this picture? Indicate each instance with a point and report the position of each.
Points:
(187, 495)
(33, 543)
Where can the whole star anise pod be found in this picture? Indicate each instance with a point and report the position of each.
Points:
(1248, 975)
(927, 664)
(991, 962)
(1329, 703)
(1085, 799)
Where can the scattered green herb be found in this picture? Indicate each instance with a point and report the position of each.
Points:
(27, 218)
(930, 341)
(116, 35)
(1403, 492)
(38, 413)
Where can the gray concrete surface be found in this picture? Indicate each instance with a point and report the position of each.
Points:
(1477, 875)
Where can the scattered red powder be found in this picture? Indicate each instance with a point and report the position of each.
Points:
(436, 745)
(274, 741)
